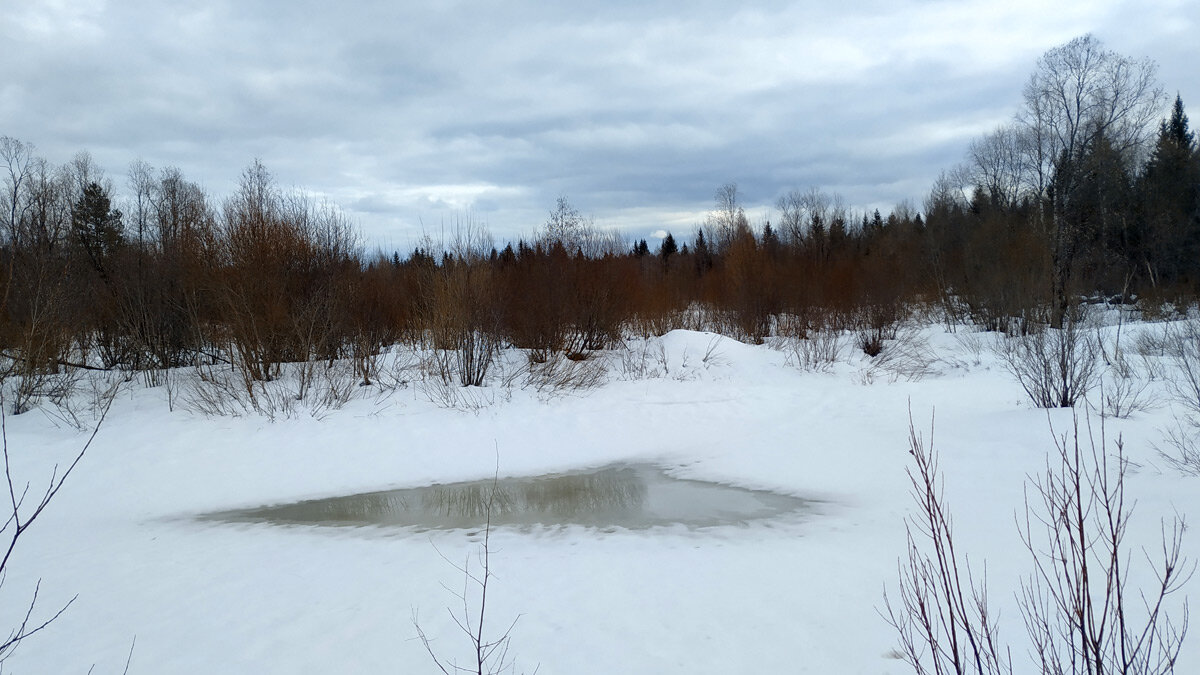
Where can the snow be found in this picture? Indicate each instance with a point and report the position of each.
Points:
(798, 594)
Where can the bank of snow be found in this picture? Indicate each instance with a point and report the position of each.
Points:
(801, 594)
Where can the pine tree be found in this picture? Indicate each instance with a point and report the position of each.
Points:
(97, 226)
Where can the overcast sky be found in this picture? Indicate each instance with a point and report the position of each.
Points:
(412, 114)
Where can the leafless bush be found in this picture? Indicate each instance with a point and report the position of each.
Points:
(213, 391)
(82, 402)
(1152, 342)
(690, 367)
(1124, 389)
(809, 345)
(306, 388)
(1124, 396)
(1181, 445)
(1055, 366)
(1082, 614)
(1151, 349)
(281, 257)
(475, 354)
(725, 322)
(332, 388)
(32, 385)
(942, 617)
(875, 324)
(648, 359)
(463, 320)
(1079, 608)
(559, 374)
(645, 359)
(713, 356)
(400, 368)
(973, 344)
(700, 317)
(452, 396)
(906, 356)
(466, 364)
(1182, 346)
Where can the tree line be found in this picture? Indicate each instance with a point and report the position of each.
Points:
(1086, 193)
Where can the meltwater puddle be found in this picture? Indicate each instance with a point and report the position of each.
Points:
(631, 496)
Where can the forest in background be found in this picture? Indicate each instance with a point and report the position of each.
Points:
(1091, 193)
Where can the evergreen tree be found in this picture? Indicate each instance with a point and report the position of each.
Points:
(873, 224)
(770, 240)
(421, 259)
(508, 257)
(817, 242)
(1170, 203)
(837, 233)
(668, 248)
(1176, 129)
(97, 226)
(704, 258)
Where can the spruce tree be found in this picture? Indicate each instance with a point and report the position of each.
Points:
(704, 259)
(668, 248)
(1170, 203)
(770, 240)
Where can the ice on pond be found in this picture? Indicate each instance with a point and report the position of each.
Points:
(632, 496)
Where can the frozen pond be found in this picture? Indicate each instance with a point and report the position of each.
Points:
(631, 496)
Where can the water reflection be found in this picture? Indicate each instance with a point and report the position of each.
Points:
(629, 496)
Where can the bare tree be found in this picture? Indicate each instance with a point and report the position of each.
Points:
(142, 182)
(565, 223)
(577, 233)
(1081, 91)
(36, 198)
(999, 164)
(25, 505)
(1081, 95)
(15, 199)
(791, 216)
(490, 655)
(180, 209)
(727, 220)
(950, 189)
(801, 210)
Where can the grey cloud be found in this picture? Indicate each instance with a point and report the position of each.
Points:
(407, 113)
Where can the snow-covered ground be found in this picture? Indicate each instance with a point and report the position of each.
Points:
(801, 594)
